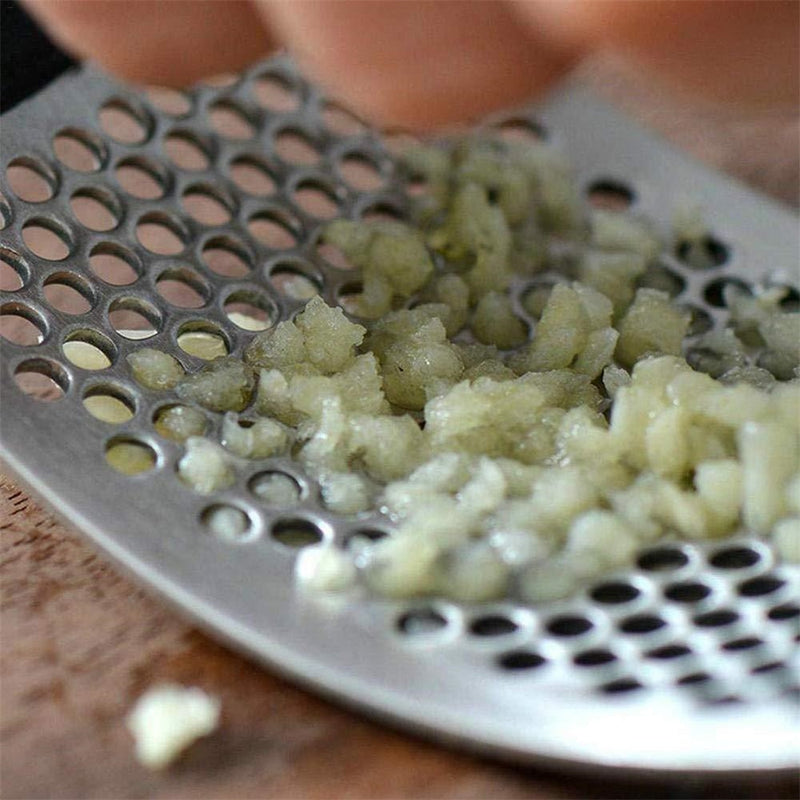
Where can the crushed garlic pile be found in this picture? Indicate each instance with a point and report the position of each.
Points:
(512, 458)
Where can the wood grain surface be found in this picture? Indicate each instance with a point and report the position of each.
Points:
(80, 642)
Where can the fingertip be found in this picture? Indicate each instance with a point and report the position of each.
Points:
(171, 43)
(419, 64)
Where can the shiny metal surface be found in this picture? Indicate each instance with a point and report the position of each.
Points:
(576, 684)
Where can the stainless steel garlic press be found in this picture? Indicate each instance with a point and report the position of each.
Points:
(685, 664)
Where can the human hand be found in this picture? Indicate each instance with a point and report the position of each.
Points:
(422, 64)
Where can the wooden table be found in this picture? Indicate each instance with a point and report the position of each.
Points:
(80, 642)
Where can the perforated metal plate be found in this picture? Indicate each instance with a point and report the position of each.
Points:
(686, 664)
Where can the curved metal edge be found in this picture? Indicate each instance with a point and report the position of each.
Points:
(386, 707)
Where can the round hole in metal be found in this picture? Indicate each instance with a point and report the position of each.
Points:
(760, 585)
(349, 297)
(114, 264)
(363, 536)
(725, 700)
(669, 651)
(421, 622)
(316, 198)
(294, 147)
(89, 349)
(790, 302)
(161, 233)
(252, 176)
(178, 422)
(296, 533)
(663, 279)
(275, 489)
(227, 257)
(642, 623)
(250, 310)
(694, 678)
(42, 379)
(68, 293)
(14, 272)
(203, 340)
(78, 149)
(662, 559)
(340, 121)
(621, 686)
(382, 211)
(227, 523)
(333, 256)
(207, 205)
(716, 619)
(521, 129)
(291, 280)
(169, 101)
(361, 173)
(417, 186)
(714, 293)
(124, 122)
(784, 611)
(614, 593)
(182, 287)
(130, 456)
(47, 239)
(141, 177)
(134, 318)
(610, 194)
(781, 368)
(186, 150)
(109, 403)
(737, 557)
(770, 666)
(594, 658)
(569, 625)
(687, 592)
(743, 643)
(222, 80)
(707, 252)
(30, 179)
(707, 359)
(492, 625)
(700, 321)
(273, 229)
(96, 209)
(276, 92)
(230, 120)
(517, 660)
(21, 325)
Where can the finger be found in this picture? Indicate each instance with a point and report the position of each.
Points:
(166, 43)
(739, 51)
(419, 63)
